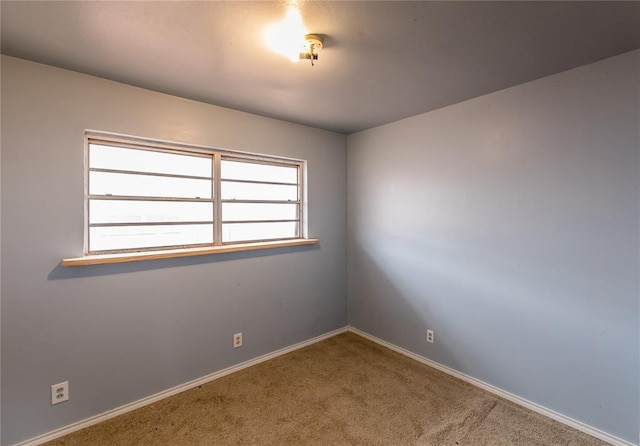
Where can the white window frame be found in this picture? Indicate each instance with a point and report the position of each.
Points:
(217, 155)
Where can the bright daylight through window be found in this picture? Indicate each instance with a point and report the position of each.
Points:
(145, 197)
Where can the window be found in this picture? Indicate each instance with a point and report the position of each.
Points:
(145, 196)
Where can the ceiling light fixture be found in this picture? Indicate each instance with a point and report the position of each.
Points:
(313, 44)
(291, 39)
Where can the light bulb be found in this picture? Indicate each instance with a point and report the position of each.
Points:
(287, 37)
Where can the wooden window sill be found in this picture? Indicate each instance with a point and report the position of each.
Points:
(186, 252)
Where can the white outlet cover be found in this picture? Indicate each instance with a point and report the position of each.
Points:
(237, 340)
(60, 393)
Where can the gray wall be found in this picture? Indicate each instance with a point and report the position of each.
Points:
(119, 333)
(509, 225)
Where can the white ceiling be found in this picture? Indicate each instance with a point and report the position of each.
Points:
(382, 61)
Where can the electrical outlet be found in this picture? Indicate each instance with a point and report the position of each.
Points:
(237, 340)
(59, 392)
(430, 336)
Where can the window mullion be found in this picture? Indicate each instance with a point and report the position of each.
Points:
(217, 200)
(300, 201)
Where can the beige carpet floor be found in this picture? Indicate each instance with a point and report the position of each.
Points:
(342, 391)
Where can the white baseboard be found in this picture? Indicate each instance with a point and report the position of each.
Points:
(594, 432)
(174, 390)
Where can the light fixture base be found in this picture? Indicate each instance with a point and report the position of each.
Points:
(313, 41)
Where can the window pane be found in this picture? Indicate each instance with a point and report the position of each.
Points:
(118, 158)
(251, 191)
(239, 170)
(259, 211)
(131, 237)
(107, 183)
(126, 211)
(237, 232)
